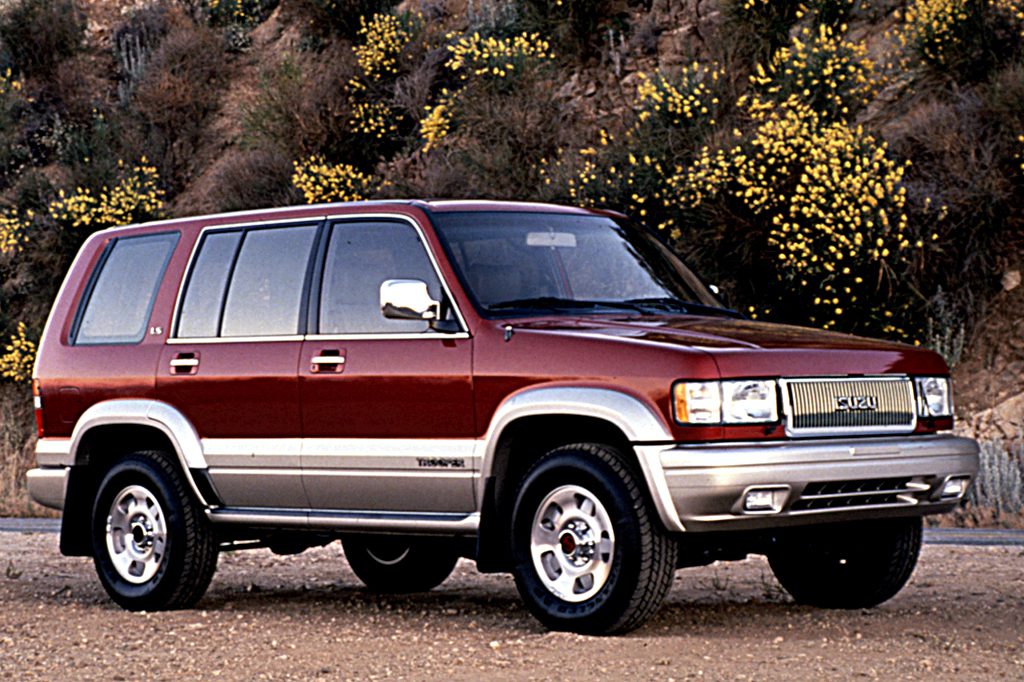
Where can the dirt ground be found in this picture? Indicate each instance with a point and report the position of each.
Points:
(306, 617)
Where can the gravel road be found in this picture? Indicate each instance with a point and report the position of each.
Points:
(306, 617)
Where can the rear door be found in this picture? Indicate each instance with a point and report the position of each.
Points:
(231, 363)
(389, 425)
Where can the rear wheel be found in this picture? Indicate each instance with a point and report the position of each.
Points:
(152, 546)
(387, 563)
(589, 555)
(848, 566)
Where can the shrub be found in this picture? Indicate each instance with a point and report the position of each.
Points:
(12, 232)
(303, 105)
(498, 118)
(340, 17)
(823, 205)
(177, 94)
(576, 27)
(251, 178)
(244, 13)
(675, 115)
(19, 356)
(757, 28)
(1000, 481)
(13, 150)
(964, 40)
(136, 198)
(829, 73)
(322, 182)
(39, 34)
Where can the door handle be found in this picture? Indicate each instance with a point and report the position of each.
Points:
(185, 363)
(328, 360)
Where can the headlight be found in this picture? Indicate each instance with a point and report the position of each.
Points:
(934, 397)
(749, 401)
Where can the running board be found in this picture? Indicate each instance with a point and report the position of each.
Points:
(318, 519)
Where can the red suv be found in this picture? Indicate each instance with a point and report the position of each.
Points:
(549, 391)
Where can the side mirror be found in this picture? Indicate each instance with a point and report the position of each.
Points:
(407, 299)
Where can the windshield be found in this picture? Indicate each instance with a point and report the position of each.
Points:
(519, 263)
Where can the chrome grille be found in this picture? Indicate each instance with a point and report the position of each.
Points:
(860, 405)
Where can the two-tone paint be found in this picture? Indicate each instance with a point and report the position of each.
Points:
(406, 436)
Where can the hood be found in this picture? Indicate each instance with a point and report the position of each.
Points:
(751, 348)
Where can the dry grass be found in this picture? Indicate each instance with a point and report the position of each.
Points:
(17, 451)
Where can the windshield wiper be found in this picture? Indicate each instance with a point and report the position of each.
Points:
(675, 305)
(556, 303)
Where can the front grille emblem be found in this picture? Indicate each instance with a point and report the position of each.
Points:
(856, 403)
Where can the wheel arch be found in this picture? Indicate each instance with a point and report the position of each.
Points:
(112, 429)
(535, 421)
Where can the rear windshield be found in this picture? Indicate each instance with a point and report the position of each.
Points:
(121, 293)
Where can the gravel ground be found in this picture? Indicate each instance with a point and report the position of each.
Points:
(306, 617)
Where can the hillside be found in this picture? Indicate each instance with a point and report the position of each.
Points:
(847, 164)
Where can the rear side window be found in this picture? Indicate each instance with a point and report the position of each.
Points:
(247, 283)
(121, 294)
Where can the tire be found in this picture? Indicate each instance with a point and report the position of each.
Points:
(589, 556)
(396, 564)
(848, 566)
(152, 546)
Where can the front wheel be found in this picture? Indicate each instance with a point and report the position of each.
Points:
(589, 556)
(387, 563)
(152, 546)
(847, 566)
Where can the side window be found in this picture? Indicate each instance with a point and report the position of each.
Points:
(120, 300)
(264, 296)
(360, 256)
(200, 308)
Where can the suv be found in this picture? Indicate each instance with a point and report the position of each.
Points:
(549, 391)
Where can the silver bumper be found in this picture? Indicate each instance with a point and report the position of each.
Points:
(812, 481)
(48, 486)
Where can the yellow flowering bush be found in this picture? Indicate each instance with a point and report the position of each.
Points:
(18, 357)
(831, 201)
(831, 74)
(486, 67)
(8, 83)
(244, 12)
(490, 57)
(373, 119)
(674, 115)
(436, 124)
(322, 182)
(12, 232)
(678, 102)
(138, 196)
(962, 38)
(381, 41)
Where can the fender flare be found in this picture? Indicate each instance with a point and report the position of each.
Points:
(150, 413)
(638, 421)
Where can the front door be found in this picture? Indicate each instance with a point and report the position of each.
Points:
(387, 410)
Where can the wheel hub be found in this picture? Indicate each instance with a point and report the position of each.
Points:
(572, 543)
(136, 534)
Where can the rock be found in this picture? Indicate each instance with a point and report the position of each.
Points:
(1011, 280)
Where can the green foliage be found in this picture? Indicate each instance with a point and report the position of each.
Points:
(37, 35)
(756, 28)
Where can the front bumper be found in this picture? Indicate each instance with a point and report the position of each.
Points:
(812, 481)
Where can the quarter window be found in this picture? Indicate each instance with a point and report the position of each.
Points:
(121, 297)
(360, 257)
